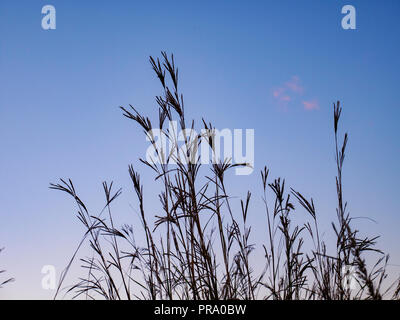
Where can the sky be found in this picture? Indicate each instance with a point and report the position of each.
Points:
(272, 66)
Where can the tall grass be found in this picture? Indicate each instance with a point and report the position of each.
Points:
(7, 280)
(200, 248)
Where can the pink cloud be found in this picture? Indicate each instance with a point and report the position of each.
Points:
(280, 94)
(282, 97)
(294, 85)
(311, 105)
(285, 93)
(290, 91)
(277, 92)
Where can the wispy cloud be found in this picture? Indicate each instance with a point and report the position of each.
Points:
(278, 92)
(311, 105)
(294, 85)
(286, 92)
(289, 91)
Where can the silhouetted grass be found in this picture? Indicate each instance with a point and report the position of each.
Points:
(199, 248)
(8, 280)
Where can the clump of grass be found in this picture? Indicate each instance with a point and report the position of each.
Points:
(199, 247)
(8, 280)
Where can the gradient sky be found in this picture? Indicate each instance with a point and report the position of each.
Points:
(275, 66)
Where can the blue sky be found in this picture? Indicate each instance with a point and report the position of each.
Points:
(274, 66)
